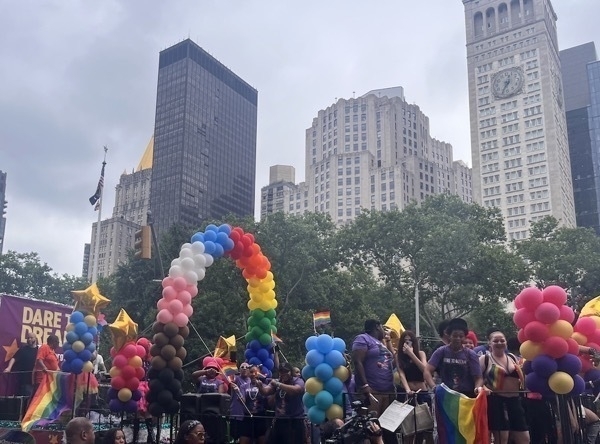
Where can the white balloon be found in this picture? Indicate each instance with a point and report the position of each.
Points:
(186, 245)
(200, 260)
(190, 277)
(200, 272)
(209, 259)
(186, 252)
(175, 261)
(187, 263)
(175, 271)
(198, 247)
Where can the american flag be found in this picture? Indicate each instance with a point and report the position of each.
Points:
(96, 197)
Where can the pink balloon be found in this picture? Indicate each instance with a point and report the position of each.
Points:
(593, 345)
(162, 304)
(531, 298)
(192, 290)
(567, 314)
(175, 306)
(167, 282)
(518, 303)
(188, 310)
(522, 317)
(573, 346)
(556, 347)
(140, 351)
(164, 316)
(169, 293)
(179, 283)
(120, 361)
(555, 295)
(129, 351)
(586, 326)
(536, 331)
(547, 313)
(185, 297)
(180, 319)
(521, 336)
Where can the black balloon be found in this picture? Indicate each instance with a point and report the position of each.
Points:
(175, 363)
(179, 374)
(157, 327)
(176, 341)
(158, 363)
(165, 397)
(171, 329)
(156, 386)
(166, 376)
(184, 331)
(160, 339)
(168, 352)
(155, 350)
(181, 353)
(173, 407)
(156, 409)
(174, 386)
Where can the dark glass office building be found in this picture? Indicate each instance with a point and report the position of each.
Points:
(204, 161)
(581, 82)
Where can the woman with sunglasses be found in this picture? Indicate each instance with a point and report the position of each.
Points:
(237, 389)
(190, 432)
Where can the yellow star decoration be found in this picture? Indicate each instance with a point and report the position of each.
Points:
(53, 438)
(10, 350)
(123, 330)
(90, 300)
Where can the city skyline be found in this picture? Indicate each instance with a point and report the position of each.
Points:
(87, 78)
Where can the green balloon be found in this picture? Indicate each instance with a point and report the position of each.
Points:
(273, 329)
(265, 339)
(270, 313)
(265, 324)
(274, 321)
(249, 337)
(256, 332)
(251, 321)
(258, 314)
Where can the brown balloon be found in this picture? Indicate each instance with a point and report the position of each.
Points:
(160, 339)
(181, 353)
(157, 327)
(168, 352)
(171, 329)
(175, 363)
(176, 341)
(155, 350)
(158, 363)
(184, 331)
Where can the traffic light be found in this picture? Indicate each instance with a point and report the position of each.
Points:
(142, 243)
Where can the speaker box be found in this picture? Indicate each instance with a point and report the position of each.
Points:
(12, 408)
(190, 407)
(214, 413)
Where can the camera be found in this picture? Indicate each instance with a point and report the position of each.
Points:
(357, 428)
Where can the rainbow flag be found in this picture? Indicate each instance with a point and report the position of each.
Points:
(229, 368)
(460, 419)
(321, 318)
(54, 397)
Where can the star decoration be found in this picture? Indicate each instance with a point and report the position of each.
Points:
(52, 438)
(123, 330)
(10, 350)
(89, 300)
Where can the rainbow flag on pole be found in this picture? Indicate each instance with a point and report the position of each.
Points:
(460, 419)
(54, 396)
(321, 318)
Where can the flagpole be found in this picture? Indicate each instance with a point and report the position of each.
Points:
(97, 246)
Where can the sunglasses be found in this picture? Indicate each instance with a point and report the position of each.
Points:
(244, 367)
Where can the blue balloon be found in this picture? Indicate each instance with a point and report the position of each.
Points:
(308, 372)
(66, 367)
(324, 343)
(225, 228)
(323, 399)
(269, 364)
(263, 354)
(210, 236)
(339, 345)
(69, 355)
(308, 400)
(211, 227)
(324, 372)
(198, 237)
(72, 336)
(339, 399)
(314, 358)
(91, 347)
(76, 317)
(334, 386)
(67, 346)
(311, 343)
(219, 251)
(93, 331)
(81, 328)
(84, 355)
(76, 366)
(255, 361)
(209, 247)
(87, 338)
(316, 415)
(335, 358)
(255, 345)
(228, 245)
(249, 354)
(268, 373)
(222, 238)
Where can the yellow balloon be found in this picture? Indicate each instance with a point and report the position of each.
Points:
(273, 304)
(561, 383)
(252, 305)
(90, 320)
(253, 281)
(579, 338)
(270, 294)
(89, 300)
(530, 349)
(88, 367)
(335, 412)
(123, 330)
(561, 328)
(114, 372)
(124, 395)
(313, 386)
(70, 327)
(135, 362)
(341, 373)
(78, 346)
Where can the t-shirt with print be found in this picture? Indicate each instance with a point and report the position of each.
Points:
(206, 385)
(256, 403)
(457, 370)
(289, 405)
(378, 364)
(237, 409)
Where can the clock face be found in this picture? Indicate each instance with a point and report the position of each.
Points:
(507, 83)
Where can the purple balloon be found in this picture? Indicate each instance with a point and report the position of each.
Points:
(112, 393)
(537, 384)
(579, 386)
(544, 366)
(592, 374)
(130, 406)
(136, 395)
(527, 367)
(569, 364)
(115, 405)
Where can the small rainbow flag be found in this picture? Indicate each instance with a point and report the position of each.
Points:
(54, 396)
(321, 318)
(460, 419)
(229, 368)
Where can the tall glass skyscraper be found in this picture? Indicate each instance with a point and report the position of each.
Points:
(204, 162)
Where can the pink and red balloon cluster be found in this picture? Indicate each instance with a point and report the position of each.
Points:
(126, 373)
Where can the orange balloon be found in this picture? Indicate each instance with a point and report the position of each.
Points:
(579, 338)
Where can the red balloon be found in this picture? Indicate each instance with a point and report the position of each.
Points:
(518, 302)
(521, 336)
(547, 313)
(130, 350)
(522, 317)
(573, 346)
(234, 236)
(567, 314)
(555, 295)
(120, 361)
(556, 347)
(127, 372)
(139, 372)
(586, 326)
(261, 273)
(117, 383)
(531, 297)
(141, 351)
(132, 384)
(536, 331)
(247, 240)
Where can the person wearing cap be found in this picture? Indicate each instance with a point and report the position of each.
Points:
(209, 382)
(457, 366)
(288, 425)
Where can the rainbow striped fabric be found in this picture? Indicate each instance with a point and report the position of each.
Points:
(54, 397)
(460, 419)
(321, 318)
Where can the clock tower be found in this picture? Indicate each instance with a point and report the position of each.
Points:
(519, 143)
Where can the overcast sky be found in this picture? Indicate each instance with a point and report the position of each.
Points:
(78, 75)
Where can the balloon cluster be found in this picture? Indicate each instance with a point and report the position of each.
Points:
(126, 372)
(324, 373)
(79, 348)
(587, 333)
(544, 320)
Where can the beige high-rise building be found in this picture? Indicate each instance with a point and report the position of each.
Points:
(519, 143)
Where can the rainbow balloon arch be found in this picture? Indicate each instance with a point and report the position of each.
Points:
(175, 309)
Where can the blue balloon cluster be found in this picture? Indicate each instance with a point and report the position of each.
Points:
(261, 355)
(79, 347)
(324, 373)
(215, 239)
